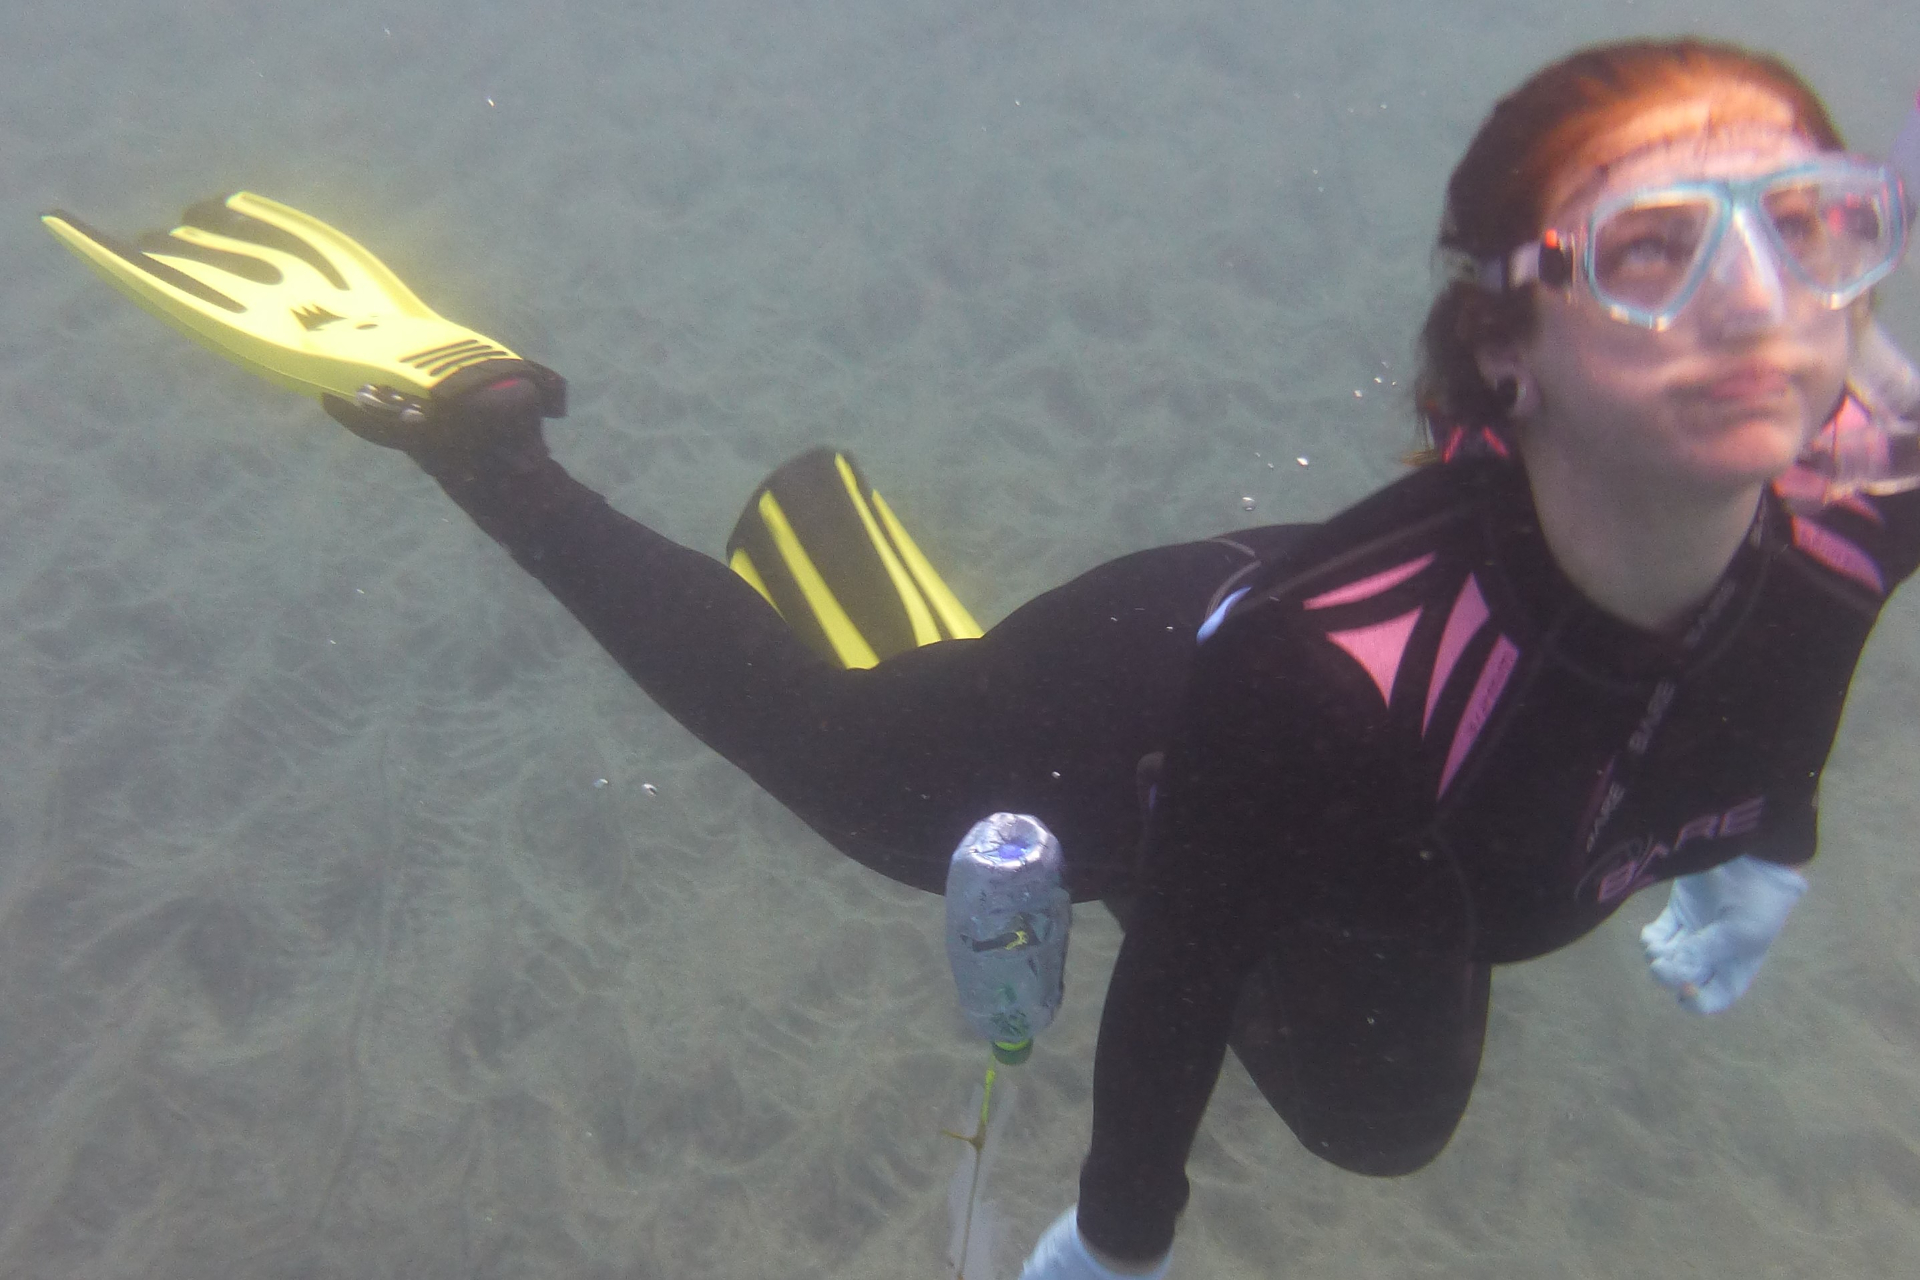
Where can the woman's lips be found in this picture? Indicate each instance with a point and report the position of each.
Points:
(1746, 382)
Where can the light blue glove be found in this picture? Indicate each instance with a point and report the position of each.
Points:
(1709, 942)
(1062, 1255)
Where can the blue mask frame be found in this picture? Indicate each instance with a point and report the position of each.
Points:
(1736, 204)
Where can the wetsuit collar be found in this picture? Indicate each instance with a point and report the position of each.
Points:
(1588, 635)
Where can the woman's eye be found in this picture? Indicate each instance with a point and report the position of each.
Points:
(1657, 251)
(1647, 253)
(1649, 244)
(1798, 223)
(1798, 230)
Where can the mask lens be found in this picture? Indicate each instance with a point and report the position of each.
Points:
(1647, 253)
(1837, 231)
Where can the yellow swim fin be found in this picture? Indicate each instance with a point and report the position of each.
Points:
(285, 295)
(831, 556)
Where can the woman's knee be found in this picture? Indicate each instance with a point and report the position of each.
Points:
(1379, 1146)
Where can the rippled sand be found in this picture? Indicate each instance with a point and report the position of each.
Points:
(358, 918)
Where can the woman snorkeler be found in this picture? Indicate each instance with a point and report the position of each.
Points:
(1603, 639)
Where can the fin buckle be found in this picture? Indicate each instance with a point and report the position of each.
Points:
(409, 411)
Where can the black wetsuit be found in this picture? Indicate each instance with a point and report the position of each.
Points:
(1411, 751)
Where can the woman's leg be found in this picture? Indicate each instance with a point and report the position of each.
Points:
(1048, 714)
(1367, 1047)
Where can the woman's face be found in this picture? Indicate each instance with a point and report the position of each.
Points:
(1750, 368)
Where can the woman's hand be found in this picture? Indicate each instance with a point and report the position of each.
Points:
(1709, 942)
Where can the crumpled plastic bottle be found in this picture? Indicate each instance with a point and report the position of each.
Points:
(1008, 914)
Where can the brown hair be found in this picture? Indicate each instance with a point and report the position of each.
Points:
(1496, 198)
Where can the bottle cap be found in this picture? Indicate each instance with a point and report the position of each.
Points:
(1013, 1054)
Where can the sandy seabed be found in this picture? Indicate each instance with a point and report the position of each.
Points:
(359, 918)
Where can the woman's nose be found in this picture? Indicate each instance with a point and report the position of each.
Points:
(1743, 290)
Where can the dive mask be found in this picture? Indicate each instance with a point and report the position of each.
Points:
(1834, 227)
